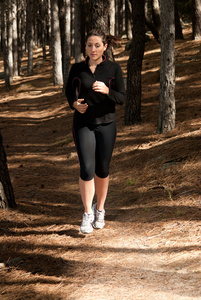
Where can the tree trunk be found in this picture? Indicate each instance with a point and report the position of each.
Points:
(178, 28)
(10, 40)
(42, 6)
(99, 19)
(167, 110)
(196, 20)
(128, 20)
(78, 52)
(67, 42)
(30, 36)
(7, 198)
(5, 44)
(56, 44)
(15, 48)
(134, 67)
(156, 15)
(150, 24)
(112, 17)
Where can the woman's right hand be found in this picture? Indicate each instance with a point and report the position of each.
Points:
(79, 106)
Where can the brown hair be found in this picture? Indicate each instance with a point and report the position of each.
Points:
(108, 39)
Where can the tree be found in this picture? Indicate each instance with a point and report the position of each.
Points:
(7, 198)
(56, 44)
(149, 22)
(67, 42)
(78, 54)
(10, 40)
(178, 28)
(167, 110)
(196, 20)
(30, 36)
(134, 66)
(5, 44)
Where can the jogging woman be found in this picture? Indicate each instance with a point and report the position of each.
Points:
(93, 89)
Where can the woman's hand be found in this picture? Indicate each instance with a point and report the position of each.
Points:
(100, 87)
(81, 107)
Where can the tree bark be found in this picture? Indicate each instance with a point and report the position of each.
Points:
(78, 52)
(150, 24)
(15, 48)
(167, 110)
(10, 40)
(67, 42)
(196, 19)
(134, 67)
(7, 198)
(56, 44)
(30, 36)
(156, 15)
(178, 28)
(5, 44)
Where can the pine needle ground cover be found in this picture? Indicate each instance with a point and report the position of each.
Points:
(151, 245)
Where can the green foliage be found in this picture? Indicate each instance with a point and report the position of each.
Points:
(130, 181)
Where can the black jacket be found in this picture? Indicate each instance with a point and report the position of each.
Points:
(101, 107)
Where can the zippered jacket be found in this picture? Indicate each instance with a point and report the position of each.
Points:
(101, 107)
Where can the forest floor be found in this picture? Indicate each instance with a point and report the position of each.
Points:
(150, 247)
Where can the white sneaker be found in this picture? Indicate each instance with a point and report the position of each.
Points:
(99, 220)
(87, 221)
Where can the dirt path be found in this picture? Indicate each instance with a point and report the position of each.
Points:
(151, 245)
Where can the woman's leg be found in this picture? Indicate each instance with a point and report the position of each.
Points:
(101, 187)
(86, 144)
(87, 191)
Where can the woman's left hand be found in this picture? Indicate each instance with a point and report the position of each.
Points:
(100, 87)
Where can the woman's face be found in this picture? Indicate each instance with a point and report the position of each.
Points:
(95, 48)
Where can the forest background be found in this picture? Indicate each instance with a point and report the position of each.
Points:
(152, 237)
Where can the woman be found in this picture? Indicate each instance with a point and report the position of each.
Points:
(94, 87)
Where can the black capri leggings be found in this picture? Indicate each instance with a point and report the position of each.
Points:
(94, 145)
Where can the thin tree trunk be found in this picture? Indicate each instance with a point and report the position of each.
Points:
(7, 198)
(156, 15)
(56, 44)
(112, 17)
(30, 36)
(150, 24)
(15, 48)
(10, 40)
(134, 67)
(5, 44)
(67, 41)
(78, 52)
(167, 110)
(196, 19)
(178, 28)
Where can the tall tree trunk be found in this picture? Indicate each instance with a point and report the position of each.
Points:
(56, 44)
(5, 44)
(150, 24)
(7, 198)
(15, 48)
(196, 20)
(99, 19)
(10, 40)
(156, 15)
(112, 17)
(30, 36)
(42, 7)
(167, 110)
(134, 67)
(67, 41)
(128, 20)
(178, 28)
(78, 52)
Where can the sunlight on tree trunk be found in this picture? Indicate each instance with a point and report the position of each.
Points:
(167, 110)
